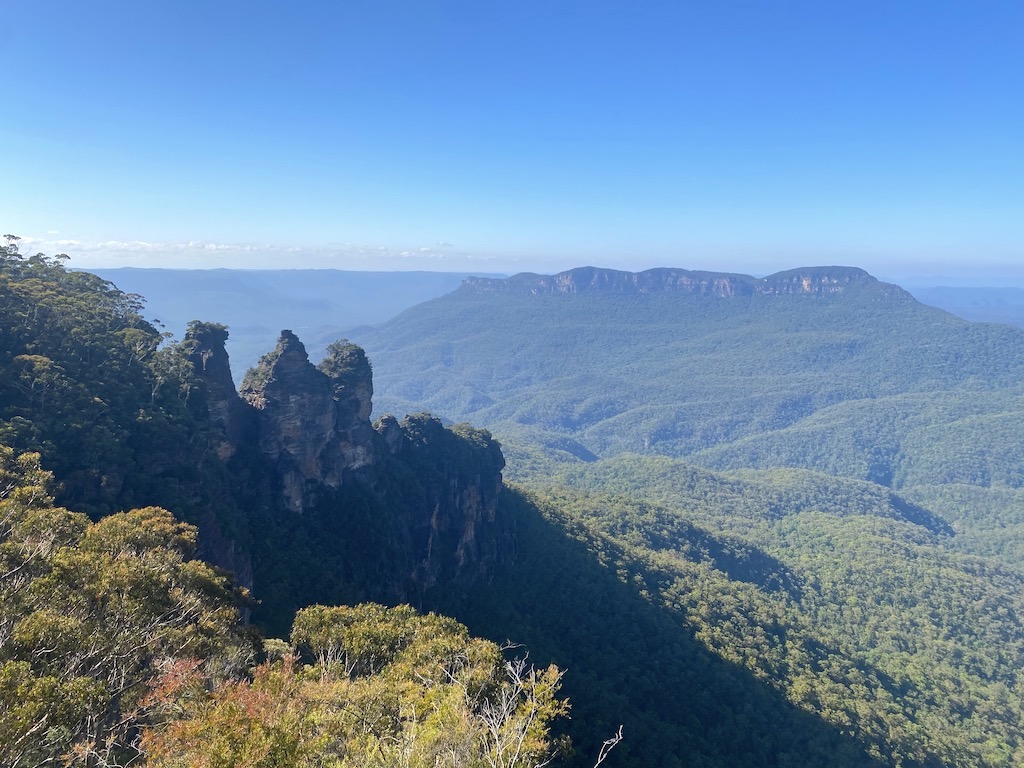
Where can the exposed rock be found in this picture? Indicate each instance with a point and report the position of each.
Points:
(808, 281)
(313, 438)
(351, 379)
(231, 422)
(230, 427)
(595, 280)
(410, 505)
(394, 436)
(455, 531)
(824, 281)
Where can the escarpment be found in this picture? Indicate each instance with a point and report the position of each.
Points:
(807, 281)
(460, 531)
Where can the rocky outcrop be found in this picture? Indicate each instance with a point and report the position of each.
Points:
(231, 422)
(396, 512)
(351, 379)
(806, 281)
(454, 484)
(824, 281)
(314, 431)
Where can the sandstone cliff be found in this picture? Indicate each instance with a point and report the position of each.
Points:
(807, 281)
(311, 428)
(390, 513)
(454, 479)
(230, 421)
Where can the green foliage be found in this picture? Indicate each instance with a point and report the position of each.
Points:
(389, 687)
(93, 387)
(344, 364)
(88, 614)
(462, 449)
(844, 598)
(257, 377)
(353, 641)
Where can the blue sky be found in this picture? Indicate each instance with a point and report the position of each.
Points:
(500, 137)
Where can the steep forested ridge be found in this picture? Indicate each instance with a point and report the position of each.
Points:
(117, 648)
(827, 586)
(847, 598)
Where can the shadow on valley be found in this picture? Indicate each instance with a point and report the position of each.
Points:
(918, 515)
(575, 599)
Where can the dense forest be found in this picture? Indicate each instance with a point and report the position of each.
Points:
(847, 376)
(839, 461)
(752, 528)
(119, 647)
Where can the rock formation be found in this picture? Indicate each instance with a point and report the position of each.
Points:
(809, 281)
(457, 533)
(297, 415)
(299, 442)
(231, 422)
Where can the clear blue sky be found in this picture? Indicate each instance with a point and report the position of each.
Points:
(742, 136)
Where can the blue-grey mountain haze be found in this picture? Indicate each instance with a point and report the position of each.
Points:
(322, 305)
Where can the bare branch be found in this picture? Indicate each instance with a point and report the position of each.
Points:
(608, 746)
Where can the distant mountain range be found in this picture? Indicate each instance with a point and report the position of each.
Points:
(987, 305)
(702, 365)
(822, 368)
(325, 304)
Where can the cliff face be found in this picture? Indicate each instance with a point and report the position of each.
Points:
(458, 533)
(351, 379)
(231, 422)
(313, 428)
(298, 439)
(807, 281)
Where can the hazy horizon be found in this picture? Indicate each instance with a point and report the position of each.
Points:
(970, 276)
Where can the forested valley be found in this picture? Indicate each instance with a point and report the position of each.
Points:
(752, 522)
